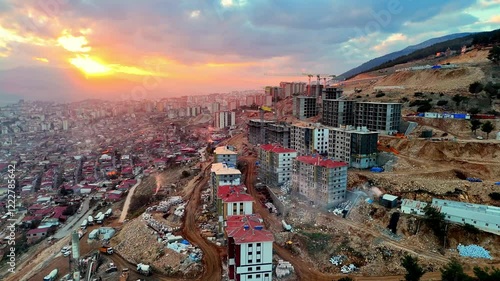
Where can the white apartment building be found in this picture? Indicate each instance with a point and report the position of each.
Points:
(250, 249)
(225, 155)
(320, 180)
(309, 138)
(221, 174)
(214, 107)
(275, 164)
(232, 200)
(224, 119)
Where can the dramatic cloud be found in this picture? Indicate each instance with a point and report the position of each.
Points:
(217, 45)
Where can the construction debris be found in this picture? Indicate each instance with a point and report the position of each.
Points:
(338, 260)
(283, 269)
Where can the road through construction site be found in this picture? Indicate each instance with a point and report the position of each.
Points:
(211, 254)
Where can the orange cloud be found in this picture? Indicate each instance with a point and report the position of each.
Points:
(76, 44)
(93, 66)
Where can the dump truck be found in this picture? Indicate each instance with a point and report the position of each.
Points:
(106, 250)
(51, 276)
(84, 224)
(144, 269)
(90, 220)
(108, 212)
(100, 219)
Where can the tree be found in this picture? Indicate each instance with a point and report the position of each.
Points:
(454, 271)
(494, 54)
(457, 99)
(435, 221)
(475, 88)
(413, 270)
(487, 127)
(484, 274)
(474, 110)
(474, 125)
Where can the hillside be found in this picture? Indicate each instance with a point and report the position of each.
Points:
(406, 51)
(483, 38)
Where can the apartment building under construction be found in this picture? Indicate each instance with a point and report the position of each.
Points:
(321, 181)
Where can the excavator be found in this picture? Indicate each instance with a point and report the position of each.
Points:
(386, 148)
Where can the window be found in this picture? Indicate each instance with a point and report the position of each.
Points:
(258, 260)
(249, 261)
(259, 244)
(250, 276)
(250, 253)
(258, 276)
(258, 252)
(249, 269)
(258, 268)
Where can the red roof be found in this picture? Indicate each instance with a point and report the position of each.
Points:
(223, 190)
(230, 193)
(276, 148)
(247, 229)
(323, 162)
(38, 230)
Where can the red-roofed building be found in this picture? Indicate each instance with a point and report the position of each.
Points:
(320, 180)
(114, 195)
(36, 234)
(233, 200)
(250, 248)
(275, 164)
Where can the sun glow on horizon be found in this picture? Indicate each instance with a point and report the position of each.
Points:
(90, 66)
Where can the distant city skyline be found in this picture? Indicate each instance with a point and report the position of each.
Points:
(72, 50)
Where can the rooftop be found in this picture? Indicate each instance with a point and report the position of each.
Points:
(322, 162)
(247, 229)
(224, 150)
(223, 169)
(276, 148)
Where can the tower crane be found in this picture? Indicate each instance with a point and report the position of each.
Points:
(309, 75)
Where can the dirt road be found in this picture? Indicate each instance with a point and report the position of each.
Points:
(126, 205)
(211, 259)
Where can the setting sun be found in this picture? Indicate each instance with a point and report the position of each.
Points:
(90, 66)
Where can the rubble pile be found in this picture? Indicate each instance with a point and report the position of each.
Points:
(283, 269)
(164, 206)
(338, 260)
(139, 245)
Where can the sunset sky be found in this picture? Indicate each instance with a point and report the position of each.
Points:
(76, 49)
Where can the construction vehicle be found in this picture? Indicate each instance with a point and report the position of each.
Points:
(111, 268)
(106, 250)
(144, 269)
(90, 220)
(51, 276)
(108, 212)
(100, 219)
(387, 148)
(84, 224)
